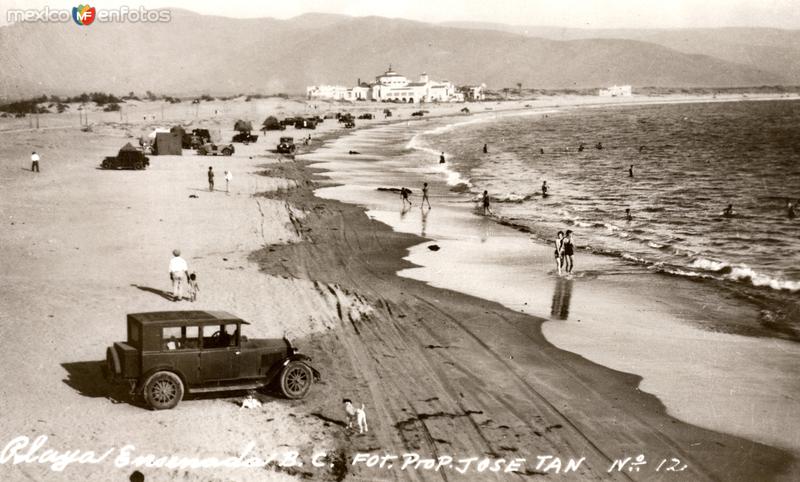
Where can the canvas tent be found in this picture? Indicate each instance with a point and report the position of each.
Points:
(243, 126)
(167, 144)
(271, 123)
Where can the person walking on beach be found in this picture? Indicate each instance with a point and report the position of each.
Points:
(485, 202)
(569, 250)
(630, 171)
(441, 158)
(34, 162)
(228, 179)
(559, 252)
(486, 148)
(544, 189)
(178, 274)
(404, 195)
(425, 196)
(210, 179)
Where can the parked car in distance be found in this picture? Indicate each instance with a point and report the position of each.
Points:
(365, 116)
(128, 157)
(418, 113)
(245, 137)
(170, 353)
(211, 149)
(195, 139)
(286, 145)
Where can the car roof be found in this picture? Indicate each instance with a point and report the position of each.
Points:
(184, 317)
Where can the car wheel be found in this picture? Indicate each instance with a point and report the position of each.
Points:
(227, 151)
(138, 165)
(106, 164)
(296, 380)
(163, 390)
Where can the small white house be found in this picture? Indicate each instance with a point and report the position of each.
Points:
(616, 91)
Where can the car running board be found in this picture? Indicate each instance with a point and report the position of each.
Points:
(228, 388)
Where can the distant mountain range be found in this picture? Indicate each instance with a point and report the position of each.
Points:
(196, 54)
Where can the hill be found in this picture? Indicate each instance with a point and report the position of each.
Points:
(197, 53)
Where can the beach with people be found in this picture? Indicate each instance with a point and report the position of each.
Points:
(475, 348)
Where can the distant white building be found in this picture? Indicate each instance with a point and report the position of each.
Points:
(616, 91)
(474, 92)
(391, 87)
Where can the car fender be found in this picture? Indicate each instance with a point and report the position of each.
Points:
(305, 359)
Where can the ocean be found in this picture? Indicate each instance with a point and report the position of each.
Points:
(689, 162)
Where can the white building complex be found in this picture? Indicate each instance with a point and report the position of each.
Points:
(393, 87)
(616, 91)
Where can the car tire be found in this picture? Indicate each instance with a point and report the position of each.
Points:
(163, 390)
(106, 164)
(227, 151)
(296, 380)
(112, 362)
(138, 165)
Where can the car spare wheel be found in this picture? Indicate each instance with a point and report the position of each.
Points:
(296, 379)
(112, 361)
(163, 390)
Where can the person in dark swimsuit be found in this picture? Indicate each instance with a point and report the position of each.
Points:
(628, 214)
(790, 210)
(485, 202)
(486, 148)
(728, 212)
(630, 171)
(404, 194)
(544, 189)
(441, 158)
(559, 251)
(569, 250)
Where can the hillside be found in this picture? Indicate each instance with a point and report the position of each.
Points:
(195, 54)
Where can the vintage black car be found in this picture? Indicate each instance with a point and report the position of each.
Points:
(305, 124)
(365, 116)
(211, 149)
(128, 157)
(195, 139)
(286, 145)
(170, 353)
(245, 137)
(418, 113)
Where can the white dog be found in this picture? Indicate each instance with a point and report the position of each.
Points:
(355, 414)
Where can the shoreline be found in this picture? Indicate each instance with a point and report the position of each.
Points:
(456, 342)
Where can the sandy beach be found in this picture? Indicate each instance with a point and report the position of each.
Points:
(442, 373)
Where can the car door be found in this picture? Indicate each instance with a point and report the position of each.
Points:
(220, 353)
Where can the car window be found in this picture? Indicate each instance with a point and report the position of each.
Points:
(180, 338)
(220, 336)
(171, 337)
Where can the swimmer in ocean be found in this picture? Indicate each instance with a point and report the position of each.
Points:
(628, 214)
(630, 171)
(544, 189)
(441, 158)
(486, 148)
(728, 212)
(790, 210)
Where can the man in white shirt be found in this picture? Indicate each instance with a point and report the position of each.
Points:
(178, 273)
(228, 179)
(34, 162)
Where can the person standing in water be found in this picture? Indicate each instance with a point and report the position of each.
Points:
(486, 148)
(441, 158)
(569, 250)
(544, 189)
(628, 214)
(425, 196)
(790, 210)
(404, 195)
(485, 202)
(559, 252)
(630, 171)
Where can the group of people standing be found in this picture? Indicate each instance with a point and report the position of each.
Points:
(564, 250)
(228, 179)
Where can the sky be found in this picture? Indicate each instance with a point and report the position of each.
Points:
(561, 13)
